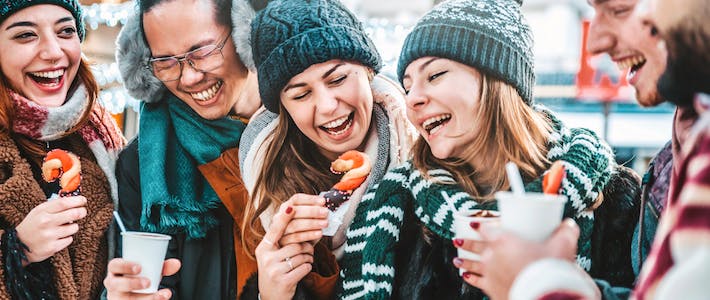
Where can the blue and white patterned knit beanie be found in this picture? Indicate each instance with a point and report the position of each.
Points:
(489, 35)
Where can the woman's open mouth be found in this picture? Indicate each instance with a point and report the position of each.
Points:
(48, 79)
(434, 124)
(338, 126)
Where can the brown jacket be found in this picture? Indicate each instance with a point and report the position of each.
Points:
(224, 177)
(80, 268)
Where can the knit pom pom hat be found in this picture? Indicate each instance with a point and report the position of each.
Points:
(489, 35)
(289, 36)
(9, 7)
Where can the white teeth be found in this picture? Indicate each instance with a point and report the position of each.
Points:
(341, 131)
(431, 120)
(336, 122)
(50, 74)
(630, 62)
(208, 93)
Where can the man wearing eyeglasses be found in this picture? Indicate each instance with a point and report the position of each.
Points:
(189, 62)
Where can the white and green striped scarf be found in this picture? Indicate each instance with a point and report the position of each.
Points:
(367, 269)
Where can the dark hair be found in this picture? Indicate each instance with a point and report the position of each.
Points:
(222, 9)
(688, 67)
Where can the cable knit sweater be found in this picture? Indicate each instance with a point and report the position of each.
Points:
(368, 268)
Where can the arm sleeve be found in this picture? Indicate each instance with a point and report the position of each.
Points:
(321, 281)
(130, 206)
(553, 279)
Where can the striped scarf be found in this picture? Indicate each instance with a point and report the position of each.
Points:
(367, 269)
(46, 124)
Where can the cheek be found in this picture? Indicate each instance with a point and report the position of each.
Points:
(300, 116)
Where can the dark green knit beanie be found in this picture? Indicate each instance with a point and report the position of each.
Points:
(9, 7)
(288, 36)
(489, 35)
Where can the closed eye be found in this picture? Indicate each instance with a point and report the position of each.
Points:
(339, 80)
(301, 96)
(437, 75)
(24, 36)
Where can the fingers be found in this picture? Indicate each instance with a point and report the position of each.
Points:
(298, 273)
(299, 225)
(276, 229)
(471, 245)
(291, 263)
(470, 266)
(68, 216)
(163, 294)
(563, 241)
(63, 203)
(310, 212)
(474, 280)
(301, 237)
(292, 250)
(305, 199)
(171, 266)
(121, 276)
(120, 266)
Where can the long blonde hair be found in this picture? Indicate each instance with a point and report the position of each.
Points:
(508, 129)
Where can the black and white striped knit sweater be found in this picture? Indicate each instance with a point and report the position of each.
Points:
(367, 270)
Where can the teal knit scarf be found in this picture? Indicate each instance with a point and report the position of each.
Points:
(367, 269)
(173, 142)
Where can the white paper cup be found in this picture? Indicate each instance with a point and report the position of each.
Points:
(463, 230)
(533, 216)
(148, 250)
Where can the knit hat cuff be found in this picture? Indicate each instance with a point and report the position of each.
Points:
(481, 51)
(315, 46)
(72, 6)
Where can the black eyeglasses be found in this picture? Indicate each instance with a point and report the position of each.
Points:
(203, 59)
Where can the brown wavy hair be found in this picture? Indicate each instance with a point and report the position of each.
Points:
(292, 164)
(7, 110)
(508, 130)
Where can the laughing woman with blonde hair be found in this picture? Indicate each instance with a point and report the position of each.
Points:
(467, 68)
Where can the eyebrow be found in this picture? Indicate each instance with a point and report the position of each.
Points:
(194, 47)
(597, 2)
(30, 24)
(326, 74)
(424, 65)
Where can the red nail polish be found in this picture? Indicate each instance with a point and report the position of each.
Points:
(458, 242)
(475, 225)
(466, 275)
(289, 210)
(457, 262)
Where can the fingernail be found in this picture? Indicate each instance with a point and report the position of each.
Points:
(457, 262)
(475, 225)
(135, 269)
(466, 275)
(145, 283)
(289, 209)
(458, 242)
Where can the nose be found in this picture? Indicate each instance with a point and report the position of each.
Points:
(327, 101)
(50, 49)
(189, 75)
(415, 99)
(601, 38)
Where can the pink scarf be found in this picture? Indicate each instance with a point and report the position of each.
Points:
(100, 133)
